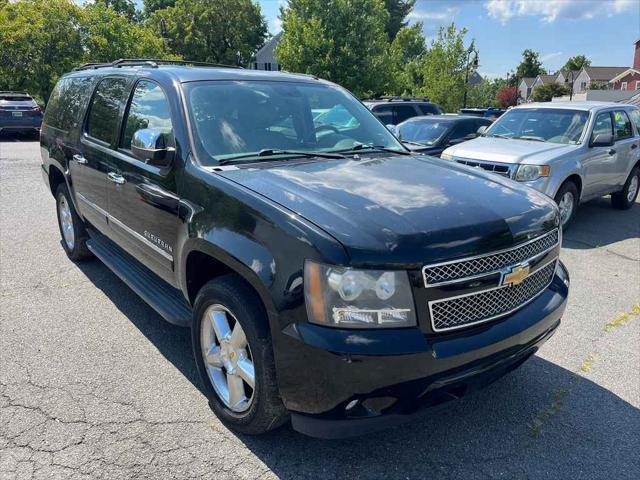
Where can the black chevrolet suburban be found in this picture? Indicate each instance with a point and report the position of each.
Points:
(328, 275)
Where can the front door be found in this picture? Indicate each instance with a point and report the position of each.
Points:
(89, 166)
(143, 205)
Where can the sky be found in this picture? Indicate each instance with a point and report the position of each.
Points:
(603, 30)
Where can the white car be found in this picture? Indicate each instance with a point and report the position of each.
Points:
(571, 151)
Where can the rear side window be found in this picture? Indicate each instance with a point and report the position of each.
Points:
(105, 108)
(635, 116)
(621, 125)
(149, 108)
(66, 102)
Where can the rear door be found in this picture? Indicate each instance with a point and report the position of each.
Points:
(599, 162)
(625, 146)
(89, 166)
(143, 205)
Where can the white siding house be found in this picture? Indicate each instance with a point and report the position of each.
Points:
(264, 58)
(524, 88)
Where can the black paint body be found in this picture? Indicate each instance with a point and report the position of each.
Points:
(264, 220)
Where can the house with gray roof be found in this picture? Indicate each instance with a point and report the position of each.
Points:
(265, 59)
(525, 87)
(590, 75)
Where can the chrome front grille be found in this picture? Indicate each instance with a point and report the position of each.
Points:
(461, 311)
(499, 168)
(484, 264)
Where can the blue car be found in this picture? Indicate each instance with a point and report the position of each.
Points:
(19, 113)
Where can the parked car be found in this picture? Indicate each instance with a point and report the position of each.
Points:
(572, 151)
(327, 274)
(490, 112)
(19, 113)
(395, 110)
(432, 134)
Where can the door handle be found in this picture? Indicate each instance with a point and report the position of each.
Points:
(116, 178)
(80, 159)
(611, 151)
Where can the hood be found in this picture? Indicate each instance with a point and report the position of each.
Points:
(404, 210)
(510, 151)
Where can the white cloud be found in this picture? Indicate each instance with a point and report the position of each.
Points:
(551, 10)
(550, 56)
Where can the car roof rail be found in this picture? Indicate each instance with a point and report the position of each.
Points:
(396, 98)
(149, 62)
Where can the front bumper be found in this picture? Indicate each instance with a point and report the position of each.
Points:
(355, 382)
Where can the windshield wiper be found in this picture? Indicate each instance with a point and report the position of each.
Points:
(498, 135)
(527, 137)
(380, 148)
(416, 143)
(265, 153)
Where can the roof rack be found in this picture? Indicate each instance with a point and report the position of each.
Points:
(400, 99)
(148, 62)
(13, 92)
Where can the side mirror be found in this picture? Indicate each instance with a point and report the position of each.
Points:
(148, 145)
(601, 140)
(481, 130)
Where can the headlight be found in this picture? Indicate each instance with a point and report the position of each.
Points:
(446, 156)
(527, 173)
(347, 298)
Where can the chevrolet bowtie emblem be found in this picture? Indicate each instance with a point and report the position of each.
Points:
(515, 275)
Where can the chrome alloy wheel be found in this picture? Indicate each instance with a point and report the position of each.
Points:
(227, 358)
(633, 188)
(566, 206)
(66, 222)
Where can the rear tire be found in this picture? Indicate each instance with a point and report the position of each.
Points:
(624, 199)
(74, 234)
(567, 200)
(227, 366)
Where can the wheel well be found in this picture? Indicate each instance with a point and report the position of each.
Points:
(576, 180)
(200, 269)
(55, 179)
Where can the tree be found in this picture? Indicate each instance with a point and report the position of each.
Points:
(442, 69)
(544, 93)
(484, 94)
(398, 11)
(507, 97)
(405, 53)
(150, 6)
(576, 62)
(341, 40)
(40, 41)
(205, 30)
(530, 66)
(123, 7)
(107, 36)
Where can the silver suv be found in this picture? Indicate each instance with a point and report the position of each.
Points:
(571, 151)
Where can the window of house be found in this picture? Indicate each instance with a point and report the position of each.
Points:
(621, 124)
(623, 85)
(267, 66)
(149, 108)
(105, 108)
(637, 84)
(583, 85)
(255, 65)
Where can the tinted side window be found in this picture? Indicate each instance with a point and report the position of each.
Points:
(404, 111)
(622, 125)
(104, 109)
(149, 108)
(462, 129)
(428, 109)
(384, 114)
(66, 102)
(602, 125)
(635, 116)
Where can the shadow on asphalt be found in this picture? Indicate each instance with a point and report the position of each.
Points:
(598, 224)
(539, 421)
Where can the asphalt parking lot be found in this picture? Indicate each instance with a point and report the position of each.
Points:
(94, 384)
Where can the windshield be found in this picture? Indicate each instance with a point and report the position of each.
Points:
(238, 118)
(427, 132)
(541, 124)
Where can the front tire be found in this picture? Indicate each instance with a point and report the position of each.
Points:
(567, 201)
(624, 199)
(233, 352)
(72, 231)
